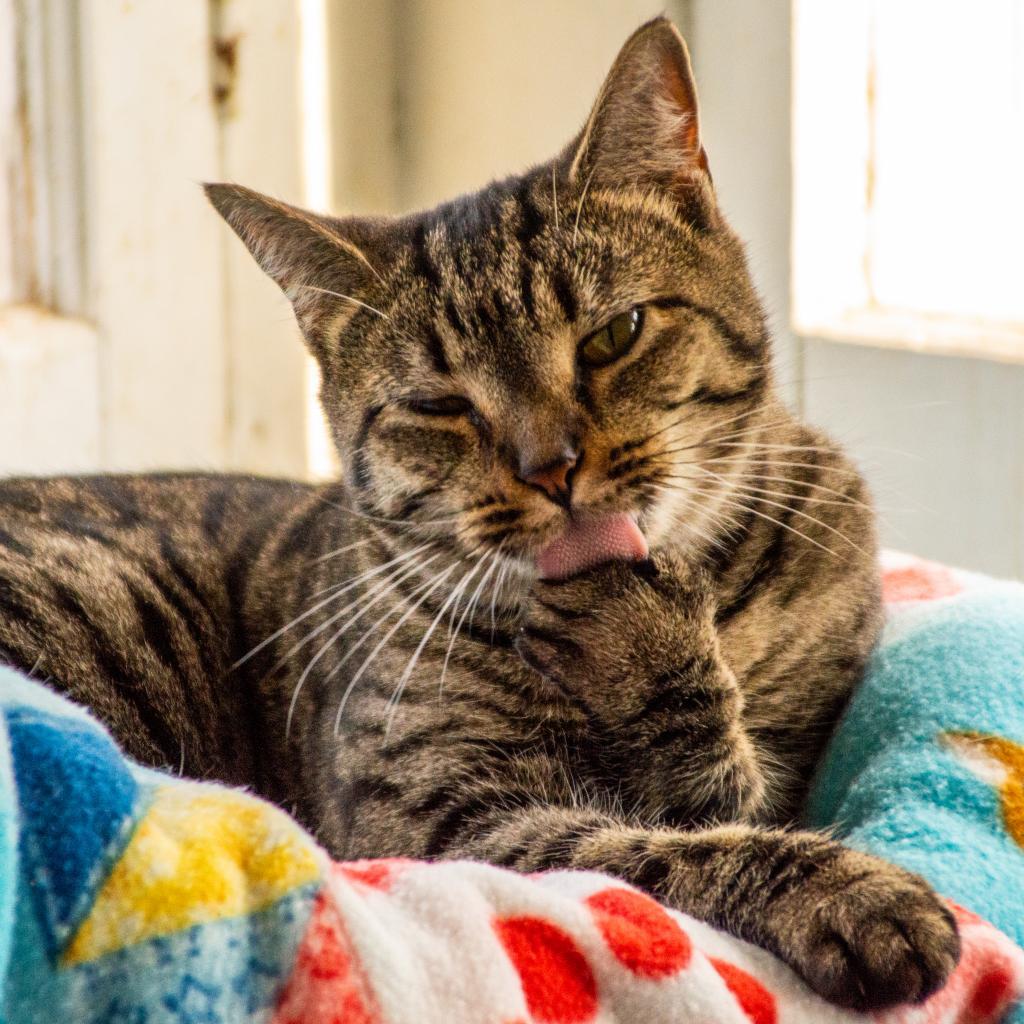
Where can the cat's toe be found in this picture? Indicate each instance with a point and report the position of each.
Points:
(884, 938)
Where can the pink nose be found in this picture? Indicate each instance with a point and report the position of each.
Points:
(553, 478)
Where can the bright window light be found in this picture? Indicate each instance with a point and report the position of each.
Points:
(908, 164)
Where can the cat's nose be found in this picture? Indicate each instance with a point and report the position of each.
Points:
(554, 476)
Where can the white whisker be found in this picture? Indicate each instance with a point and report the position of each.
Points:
(730, 435)
(681, 419)
(384, 519)
(411, 666)
(795, 511)
(579, 208)
(689, 525)
(742, 484)
(387, 565)
(368, 660)
(373, 629)
(496, 562)
(846, 471)
(452, 636)
(340, 551)
(762, 446)
(404, 570)
(554, 192)
(340, 588)
(750, 488)
(377, 595)
(771, 519)
(498, 584)
(347, 298)
(817, 487)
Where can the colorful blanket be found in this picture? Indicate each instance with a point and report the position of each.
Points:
(131, 896)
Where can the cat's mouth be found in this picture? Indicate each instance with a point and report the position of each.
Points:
(591, 540)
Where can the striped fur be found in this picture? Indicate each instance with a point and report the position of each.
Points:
(377, 654)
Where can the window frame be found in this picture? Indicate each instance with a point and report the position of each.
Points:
(149, 340)
(831, 294)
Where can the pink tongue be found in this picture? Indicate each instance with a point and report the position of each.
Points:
(590, 542)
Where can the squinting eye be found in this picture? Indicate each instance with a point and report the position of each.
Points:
(613, 340)
(450, 405)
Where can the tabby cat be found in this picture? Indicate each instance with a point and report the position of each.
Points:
(586, 596)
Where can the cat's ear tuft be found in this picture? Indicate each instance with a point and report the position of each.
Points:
(644, 129)
(305, 253)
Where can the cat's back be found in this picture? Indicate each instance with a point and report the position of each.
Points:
(128, 593)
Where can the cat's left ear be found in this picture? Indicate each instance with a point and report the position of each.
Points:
(644, 129)
(311, 256)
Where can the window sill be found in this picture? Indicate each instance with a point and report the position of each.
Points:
(912, 331)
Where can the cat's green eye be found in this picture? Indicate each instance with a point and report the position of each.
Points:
(613, 340)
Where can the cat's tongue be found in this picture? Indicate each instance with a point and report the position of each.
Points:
(589, 542)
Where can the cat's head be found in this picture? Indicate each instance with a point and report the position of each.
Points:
(555, 347)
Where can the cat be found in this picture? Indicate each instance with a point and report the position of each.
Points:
(586, 594)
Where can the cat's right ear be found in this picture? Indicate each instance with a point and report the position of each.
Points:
(644, 129)
(310, 256)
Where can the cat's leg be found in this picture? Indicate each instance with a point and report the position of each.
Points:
(860, 932)
(635, 646)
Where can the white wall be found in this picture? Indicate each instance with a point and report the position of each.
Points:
(135, 333)
(431, 98)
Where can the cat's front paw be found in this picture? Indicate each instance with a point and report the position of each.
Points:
(869, 935)
(609, 633)
(634, 645)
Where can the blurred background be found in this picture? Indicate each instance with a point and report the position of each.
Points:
(871, 154)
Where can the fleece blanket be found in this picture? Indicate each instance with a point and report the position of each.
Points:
(128, 895)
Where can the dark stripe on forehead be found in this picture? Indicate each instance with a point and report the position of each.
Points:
(358, 314)
(435, 349)
(500, 306)
(487, 322)
(531, 222)
(603, 267)
(423, 265)
(564, 294)
(453, 317)
(738, 343)
(526, 289)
